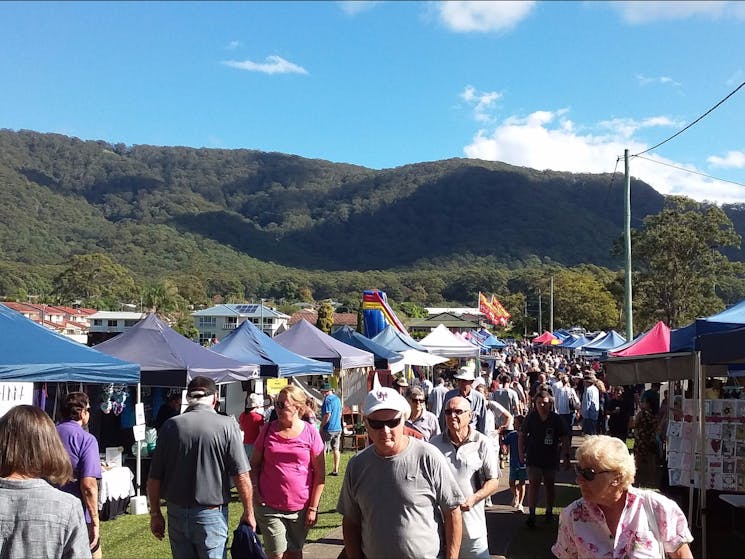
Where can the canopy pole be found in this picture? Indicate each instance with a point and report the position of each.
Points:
(702, 458)
(139, 451)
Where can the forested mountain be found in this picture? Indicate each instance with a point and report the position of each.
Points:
(64, 196)
(253, 223)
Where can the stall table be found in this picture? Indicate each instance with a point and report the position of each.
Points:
(114, 492)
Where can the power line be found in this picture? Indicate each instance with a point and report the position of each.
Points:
(692, 123)
(689, 171)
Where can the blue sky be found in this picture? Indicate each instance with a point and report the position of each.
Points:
(548, 85)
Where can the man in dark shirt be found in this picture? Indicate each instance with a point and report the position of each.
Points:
(540, 436)
(197, 454)
(170, 408)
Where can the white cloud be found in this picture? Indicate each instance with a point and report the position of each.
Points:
(232, 45)
(483, 16)
(481, 101)
(733, 160)
(354, 7)
(273, 65)
(550, 140)
(664, 80)
(647, 11)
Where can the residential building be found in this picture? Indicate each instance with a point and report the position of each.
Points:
(67, 321)
(218, 321)
(107, 324)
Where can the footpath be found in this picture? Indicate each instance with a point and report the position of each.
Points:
(503, 523)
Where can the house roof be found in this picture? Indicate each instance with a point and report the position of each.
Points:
(340, 318)
(252, 310)
(449, 320)
(124, 315)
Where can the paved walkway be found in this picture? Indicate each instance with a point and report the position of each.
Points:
(502, 522)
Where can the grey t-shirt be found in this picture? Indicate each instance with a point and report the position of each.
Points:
(396, 500)
(195, 456)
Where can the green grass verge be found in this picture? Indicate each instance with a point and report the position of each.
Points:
(129, 537)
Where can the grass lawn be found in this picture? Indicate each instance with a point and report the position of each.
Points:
(129, 537)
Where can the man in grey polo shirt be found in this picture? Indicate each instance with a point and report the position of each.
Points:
(197, 454)
(474, 462)
(399, 497)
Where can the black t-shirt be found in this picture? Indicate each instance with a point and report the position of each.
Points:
(543, 440)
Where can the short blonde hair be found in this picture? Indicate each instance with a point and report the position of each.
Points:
(604, 453)
(294, 393)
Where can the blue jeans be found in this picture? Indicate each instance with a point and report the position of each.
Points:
(198, 532)
(590, 426)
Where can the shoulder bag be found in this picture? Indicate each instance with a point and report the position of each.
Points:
(652, 521)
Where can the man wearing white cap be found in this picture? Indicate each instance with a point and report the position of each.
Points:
(399, 497)
(464, 377)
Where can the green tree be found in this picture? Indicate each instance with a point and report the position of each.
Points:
(96, 280)
(581, 300)
(677, 255)
(325, 317)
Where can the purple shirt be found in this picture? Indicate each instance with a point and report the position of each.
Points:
(86, 461)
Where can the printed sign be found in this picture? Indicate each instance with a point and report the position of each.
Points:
(14, 394)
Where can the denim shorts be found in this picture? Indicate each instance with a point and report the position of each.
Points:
(198, 531)
(518, 474)
(282, 530)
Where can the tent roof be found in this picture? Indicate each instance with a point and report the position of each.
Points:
(419, 358)
(684, 339)
(655, 340)
(723, 347)
(442, 341)
(396, 340)
(248, 344)
(307, 340)
(607, 342)
(383, 356)
(32, 353)
(545, 338)
(169, 359)
(576, 343)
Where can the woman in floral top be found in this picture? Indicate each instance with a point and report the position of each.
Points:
(611, 519)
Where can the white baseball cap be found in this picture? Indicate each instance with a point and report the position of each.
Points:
(464, 373)
(385, 399)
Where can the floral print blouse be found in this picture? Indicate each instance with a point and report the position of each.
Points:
(583, 532)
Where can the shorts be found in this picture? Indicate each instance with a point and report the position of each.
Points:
(536, 472)
(518, 474)
(333, 440)
(282, 531)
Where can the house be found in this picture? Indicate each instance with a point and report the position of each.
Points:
(107, 324)
(218, 321)
(424, 326)
(311, 315)
(67, 321)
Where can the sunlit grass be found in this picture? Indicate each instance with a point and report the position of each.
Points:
(129, 537)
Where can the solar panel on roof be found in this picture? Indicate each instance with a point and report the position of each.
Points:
(246, 309)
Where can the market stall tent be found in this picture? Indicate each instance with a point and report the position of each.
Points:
(305, 339)
(169, 359)
(442, 341)
(384, 357)
(398, 341)
(655, 340)
(30, 352)
(248, 344)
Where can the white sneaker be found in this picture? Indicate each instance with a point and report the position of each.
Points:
(520, 509)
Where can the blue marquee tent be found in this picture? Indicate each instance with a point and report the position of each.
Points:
(30, 352)
(248, 344)
(602, 345)
(397, 341)
(383, 356)
(576, 343)
(684, 339)
(169, 359)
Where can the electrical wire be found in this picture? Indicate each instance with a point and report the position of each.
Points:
(679, 132)
(689, 171)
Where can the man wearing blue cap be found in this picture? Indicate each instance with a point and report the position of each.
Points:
(331, 424)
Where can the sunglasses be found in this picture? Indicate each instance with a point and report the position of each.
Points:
(378, 424)
(589, 473)
(454, 411)
(417, 400)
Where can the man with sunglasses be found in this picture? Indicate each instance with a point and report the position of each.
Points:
(474, 462)
(539, 441)
(465, 378)
(399, 497)
(82, 448)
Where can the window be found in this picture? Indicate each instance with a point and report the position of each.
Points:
(207, 322)
(205, 337)
(231, 322)
(112, 323)
(97, 322)
(130, 323)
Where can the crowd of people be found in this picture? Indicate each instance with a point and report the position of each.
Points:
(419, 489)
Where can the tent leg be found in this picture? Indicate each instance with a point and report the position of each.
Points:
(703, 462)
(139, 451)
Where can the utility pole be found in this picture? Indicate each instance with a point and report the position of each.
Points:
(551, 309)
(540, 318)
(525, 319)
(627, 231)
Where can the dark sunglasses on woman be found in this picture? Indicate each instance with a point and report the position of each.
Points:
(589, 473)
